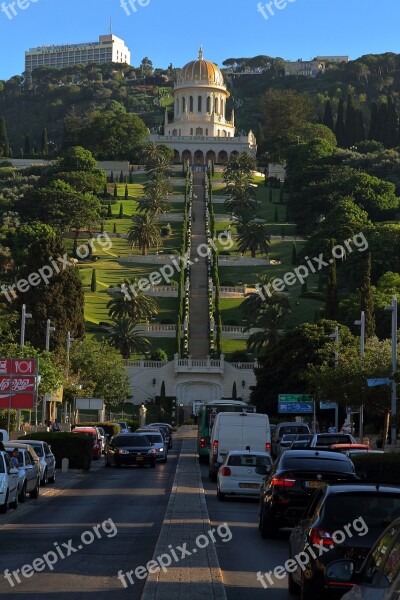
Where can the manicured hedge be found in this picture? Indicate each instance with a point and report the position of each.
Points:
(78, 448)
(378, 468)
(110, 428)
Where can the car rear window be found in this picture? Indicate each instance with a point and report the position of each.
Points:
(38, 449)
(294, 429)
(132, 440)
(289, 436)
(324, 440)
(154, 438)
(249, 460)
(312, 463)
(377, 509)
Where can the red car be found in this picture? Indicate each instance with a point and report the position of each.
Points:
(91, 431)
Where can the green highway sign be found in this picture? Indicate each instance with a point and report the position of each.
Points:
(295, 403)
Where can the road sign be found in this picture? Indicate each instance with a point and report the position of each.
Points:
(295, 403)
(327, 405)
(18, 383)
(352, 410)
(376, 382)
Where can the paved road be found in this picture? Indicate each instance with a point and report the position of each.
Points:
(247, 553)
(134, 499)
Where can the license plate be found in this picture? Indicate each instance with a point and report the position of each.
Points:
(139, 458)
(313, 484)
(252, 486)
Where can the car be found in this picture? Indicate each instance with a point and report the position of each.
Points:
(159, 429)
(103, 437)
(167, 427)
(157, 440)
(29, 473)
(285, 442)
(379, 576)
(350, 447)
(325, 440)
(130, 449)
(124, 426)
(346, 520)
(4, 436)
(242, 473)
(27, 446)
(284, 428)
(291, 483)
(47, 460)
(9, 477)
(94, 434)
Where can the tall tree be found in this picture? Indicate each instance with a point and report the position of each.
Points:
(136, 305)
(4, 142)
(392, 125)
(328, 115)
(382, 121)
(44, 142)
(127, 339)
(253, 236)
(27, 144)
(367, 300)
(339, 128)
(332, 302)
(144, 232)
(373, 133)
(93, 283)
(350, 123)
(360, 129)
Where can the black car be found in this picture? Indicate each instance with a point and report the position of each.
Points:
(343, 521)
(292, 482)
(130, 449)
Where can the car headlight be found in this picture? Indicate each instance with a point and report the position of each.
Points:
(161, 449)
(123, 452)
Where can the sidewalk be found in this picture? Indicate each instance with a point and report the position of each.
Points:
(197, 577)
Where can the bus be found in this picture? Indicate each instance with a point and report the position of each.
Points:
(206, 417)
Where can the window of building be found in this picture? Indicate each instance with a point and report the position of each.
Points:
(206, 131)
(208, 104)
(175, 132)
(199, 131)
(191, 104)
(200, 104)
(191, 131)
(183, 105)
(217, 105)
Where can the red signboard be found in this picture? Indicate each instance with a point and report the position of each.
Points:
(17, 383)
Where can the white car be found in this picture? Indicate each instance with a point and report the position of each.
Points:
(9, 477)
(157, 440)
(103, 437)
(47, 461)
(29, 473)
(242, 473)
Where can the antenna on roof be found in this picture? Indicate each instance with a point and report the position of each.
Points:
(110, 26)
(201, 53)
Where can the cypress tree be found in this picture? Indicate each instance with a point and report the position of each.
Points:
(339, 129)
(294, 254)
(93, 284)
(373, 125)
(126, 192)
(392, 125)
(44, 142)
(328, 115)
(111, 177)
(115, 228)
(105, 191)
(260, 135)
(121, 211)
(276, 215)
(130, 179)
(234, 391)
(367, 301)
(109, 210)
(162, 394)
(115, 191)
(360, 129)
(350, 123)
(332, 302)
(74, 248)
(121, 177)
(102, 227)
(382, 122)
(27, 144)
(4, 142)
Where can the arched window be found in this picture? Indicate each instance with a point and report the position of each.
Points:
(217, 105)
(208, 104)
(223, 108)
(191, 131)
(175, 132)
(206, 131)
(191, 104)
(199, 131)
(177, 106)
(199, 104)
(183, 105)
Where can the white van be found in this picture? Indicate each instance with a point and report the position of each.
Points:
(237, 431)
(3, 436)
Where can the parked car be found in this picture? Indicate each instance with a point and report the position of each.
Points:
(130, 449)
(242, 473)
(25, 445)
(94, 434)
(237, 431)
(29, 473)
(284, 428)
(124, 426)
(379, 576)
(9, 477)
(292, 482)
(168, 428)
(361, 512)
(47, 460)
(325, 440)
(157, 440)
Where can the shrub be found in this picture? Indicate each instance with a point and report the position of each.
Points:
(110, 428)
(4, 419)
(239, 356)
(133, 424)
(159, 354)
(78, 448)
(378, 468)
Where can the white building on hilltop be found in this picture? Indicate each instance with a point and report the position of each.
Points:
(200, 130)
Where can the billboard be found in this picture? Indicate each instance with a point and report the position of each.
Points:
(18, 382)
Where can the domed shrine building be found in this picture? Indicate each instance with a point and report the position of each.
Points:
(200, 130)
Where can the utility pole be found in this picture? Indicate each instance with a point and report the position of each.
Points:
(361, 322)
(49, 330)
(24, 317)
(393, 429)
(335, 337)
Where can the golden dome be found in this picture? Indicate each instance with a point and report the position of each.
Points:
(201, 71)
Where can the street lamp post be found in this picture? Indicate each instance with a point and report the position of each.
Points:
(24, 316)
(49, 330)
(361, 322)
(393, 309)
(335, 337)
(69, 340)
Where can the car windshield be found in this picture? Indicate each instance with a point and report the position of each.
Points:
(38, 449)
(132, 440)
(312, 463)
(377, 509)
(154, 438)
(328, 440)
(293, 429)
(289, 436)
(249, 460)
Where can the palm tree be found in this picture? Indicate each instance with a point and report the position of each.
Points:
(127, 339)
(158, 184)
(253, 236)
(270, 321)
(243, 163)
(144, 232)
(132, 302)
(255, 303)
(241, 199)
(153, 203)
(157, 159)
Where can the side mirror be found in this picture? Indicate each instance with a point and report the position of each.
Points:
(340, 571)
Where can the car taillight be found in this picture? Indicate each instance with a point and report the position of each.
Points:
(282, 482)
(321, 536)
(267, 447)
(202, 443)
(215, 447)
(225, 472)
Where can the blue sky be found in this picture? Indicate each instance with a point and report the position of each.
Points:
(172, 30)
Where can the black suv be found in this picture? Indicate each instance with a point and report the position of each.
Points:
(343, 521)
(294, 479)
(130, 449)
